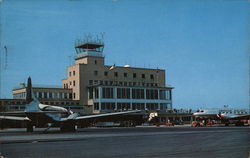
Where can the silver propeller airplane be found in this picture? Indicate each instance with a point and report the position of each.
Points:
(226, 116)
(41, 114)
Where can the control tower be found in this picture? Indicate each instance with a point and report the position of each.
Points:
(89, 48)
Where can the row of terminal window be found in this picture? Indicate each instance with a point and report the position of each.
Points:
(125, 93)
(12, 103)
(50, 103)
(66, 86)
(122, 83)
(70, 73)
(19, 95)
(22, 106)
(134, 106)
(45, 95)
(16, 107)
(125, 74)
(54, 95)
(61, 103)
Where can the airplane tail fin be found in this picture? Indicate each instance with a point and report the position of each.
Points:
(32, 104)
(29, 91)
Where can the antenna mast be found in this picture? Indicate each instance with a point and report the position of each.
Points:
(0, 49)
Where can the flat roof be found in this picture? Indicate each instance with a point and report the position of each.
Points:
(50, 88)
(89, 45)
(122, 86)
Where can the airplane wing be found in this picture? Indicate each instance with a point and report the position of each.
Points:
(105, 115)
(14, 118)
(13, 112)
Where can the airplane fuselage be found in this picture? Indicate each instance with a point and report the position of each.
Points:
(222, 114)
(46, 114)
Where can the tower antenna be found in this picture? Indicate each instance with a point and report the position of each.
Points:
(0, 49)
(70, 60)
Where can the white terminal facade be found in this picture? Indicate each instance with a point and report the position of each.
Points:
(104, 88)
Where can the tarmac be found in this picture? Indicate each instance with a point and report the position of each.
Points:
(178, 141)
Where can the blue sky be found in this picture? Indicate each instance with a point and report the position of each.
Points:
(202, 45)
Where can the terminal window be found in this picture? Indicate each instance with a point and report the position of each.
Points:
(152, 106)
(134, 75)
(101, 82)
(90, 82)
(107, 93)
(123, 106)
(123, 93)
(142, 75)
(96, 93)
(90, 93)
(65, 96)
(95, 73)
(107, 106)
(106, 73)
(111, 83)
(138, 93)
(106, 82)
(125, 74)
(138, 106)
(50, 95)
(96, 106)
(40, 95)
(151, 76)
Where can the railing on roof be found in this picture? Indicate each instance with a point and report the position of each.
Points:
(38, 86)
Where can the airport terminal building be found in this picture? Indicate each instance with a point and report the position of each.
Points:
(104, 88)
(50, 95)
(93, 87)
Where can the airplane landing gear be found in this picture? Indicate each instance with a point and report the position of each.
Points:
(29, 127)
(48, 127)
